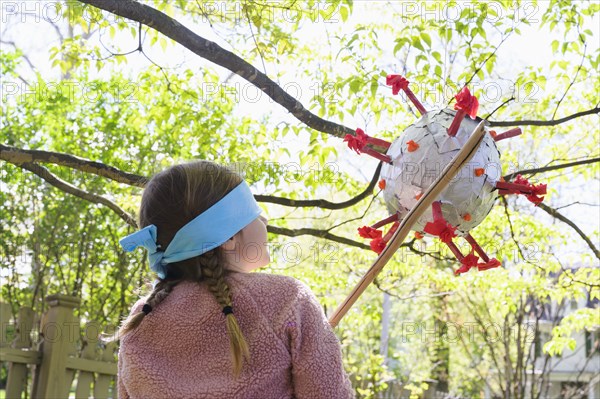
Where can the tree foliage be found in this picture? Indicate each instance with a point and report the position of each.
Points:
(115, 99)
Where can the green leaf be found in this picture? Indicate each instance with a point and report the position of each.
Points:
(425, 36)
(355, 85)
(416, 42)
(344, 13)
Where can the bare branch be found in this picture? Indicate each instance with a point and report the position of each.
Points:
(553, 122)
(512, 233)
(51, 179)
(321, 203)
(572, 81)
(499, 107)
(171, 28)
(412, 296)
(24, 158)
(487, 58)
(66, 187)
(554, 213)
(533, 171)
(18, 156)
(24, 56)
(317, 233)
(260, 53)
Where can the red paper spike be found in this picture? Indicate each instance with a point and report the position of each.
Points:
(476, 247)
(369, 232)
(377, 245)
(466, 104)
(436, 210)
(385, 221)
(453, 129)
(357, 142)
(522, 186)
(509, 133)
(488, 265)
(455, 251)
(398, 83)
(378, 142)
(391, 232)
(467, 263)
(377, 155)
(440, 227)
(487, 262)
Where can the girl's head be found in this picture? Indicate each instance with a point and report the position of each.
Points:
(176, 197)
(179, 194)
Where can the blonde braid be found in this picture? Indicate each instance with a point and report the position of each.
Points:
(213, 273)
(162, 289)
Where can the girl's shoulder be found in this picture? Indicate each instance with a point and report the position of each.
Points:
(271, 283)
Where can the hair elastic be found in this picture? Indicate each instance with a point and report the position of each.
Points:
(227, 310)
(146, 308)
(207, 231)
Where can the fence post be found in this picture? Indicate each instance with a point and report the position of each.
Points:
(60, 332)
(5, 316)
(17, 372)
(102, 384)
(86, 378)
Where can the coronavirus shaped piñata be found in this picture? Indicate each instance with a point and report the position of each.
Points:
(416, 158)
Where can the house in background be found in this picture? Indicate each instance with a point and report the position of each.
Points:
(575, 374)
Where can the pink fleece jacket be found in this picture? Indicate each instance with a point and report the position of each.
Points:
(181, 348)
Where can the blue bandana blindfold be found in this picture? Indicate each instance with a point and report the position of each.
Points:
(207, 231)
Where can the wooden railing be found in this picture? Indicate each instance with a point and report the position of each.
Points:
(65, 352)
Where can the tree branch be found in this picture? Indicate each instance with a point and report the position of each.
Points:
(554, 213)
(498, 107)
(51, 179)
(549, 168)
(171, 28)
(487, 58)
(18, 156)
(572, 81)
(321, 203)
(553, 122)
(317, 233)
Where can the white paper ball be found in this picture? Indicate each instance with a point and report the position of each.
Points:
(469, 198)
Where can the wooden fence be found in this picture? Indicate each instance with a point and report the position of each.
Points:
(64, 352)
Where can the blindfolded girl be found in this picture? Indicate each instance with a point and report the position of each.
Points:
(210, 328)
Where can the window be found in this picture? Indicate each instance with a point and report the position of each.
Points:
(574, 304)
(592, 342)
(541, 338)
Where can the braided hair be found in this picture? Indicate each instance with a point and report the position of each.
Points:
(170, 200)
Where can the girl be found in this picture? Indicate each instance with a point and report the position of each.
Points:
(204, 234)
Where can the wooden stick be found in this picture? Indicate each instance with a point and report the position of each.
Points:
(432, 193)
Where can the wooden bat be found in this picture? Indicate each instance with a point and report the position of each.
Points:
(463, 156)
